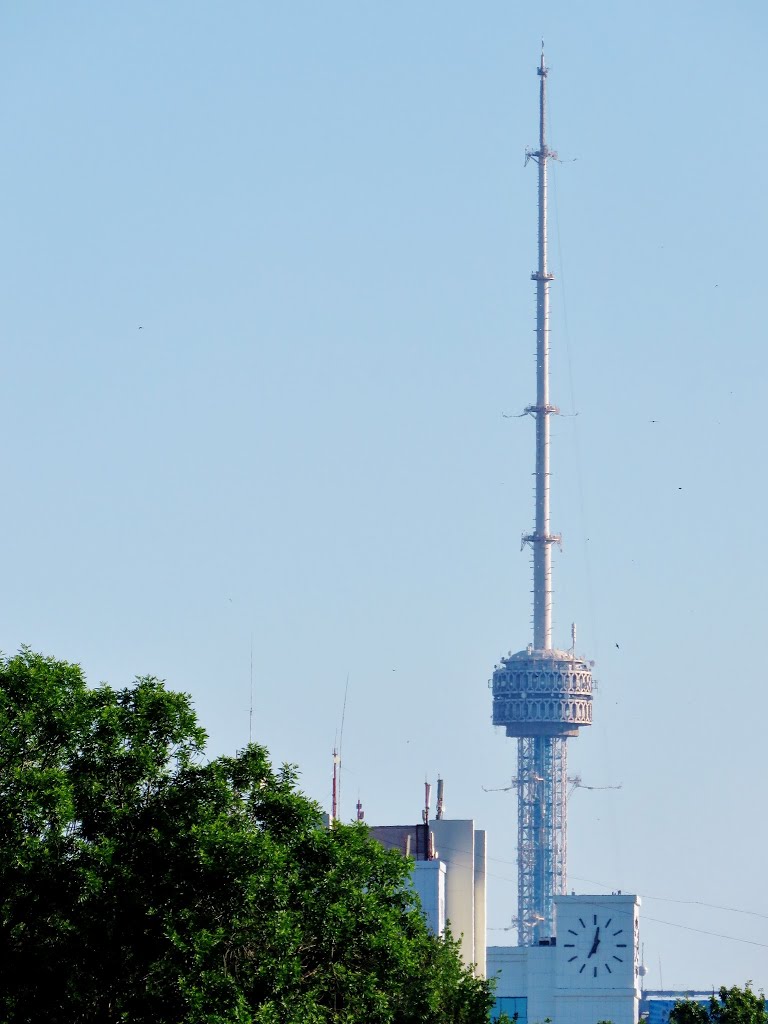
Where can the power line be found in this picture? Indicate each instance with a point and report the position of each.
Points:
(673, 924)
(670, 899)
(703, 931)
(646, 896)
(657, 920)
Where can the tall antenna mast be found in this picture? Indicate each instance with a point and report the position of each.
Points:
(250, 710)
(541, 539)
(542, 695)
(335, 786)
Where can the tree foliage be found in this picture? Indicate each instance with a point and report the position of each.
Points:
(730, 1006)
(140, 883)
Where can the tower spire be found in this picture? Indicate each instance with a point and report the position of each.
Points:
(542, 539)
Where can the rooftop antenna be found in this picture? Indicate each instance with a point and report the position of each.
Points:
(643, 969)
(335, 787)
(440, 807)
(429, 845)
(360, 811)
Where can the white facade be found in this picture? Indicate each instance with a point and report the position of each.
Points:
(451, 886)
(591, 971)
(462, 849)
(429, 882)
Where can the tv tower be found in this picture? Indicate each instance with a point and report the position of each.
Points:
(542, 695)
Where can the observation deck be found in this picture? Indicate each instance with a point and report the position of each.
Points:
(542, 693)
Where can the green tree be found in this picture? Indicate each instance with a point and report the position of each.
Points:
(139, 883)
(730, 1006)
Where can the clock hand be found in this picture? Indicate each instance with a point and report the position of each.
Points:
(595, 944)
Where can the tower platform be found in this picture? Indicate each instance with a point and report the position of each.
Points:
(542, 693)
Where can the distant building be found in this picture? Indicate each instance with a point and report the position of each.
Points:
(449, 877)
(655, 1004)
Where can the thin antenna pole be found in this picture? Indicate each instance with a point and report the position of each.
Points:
(541, 539)
(337, 786)
(335, 789)
(250, 712)
(428, 842)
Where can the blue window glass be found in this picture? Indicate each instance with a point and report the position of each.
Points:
(515, 1007)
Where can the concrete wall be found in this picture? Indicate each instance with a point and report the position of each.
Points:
(455, 847)
(429, 883)
(462, 850)
(527, 972)
(480, 900)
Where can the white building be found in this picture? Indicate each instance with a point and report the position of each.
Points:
(449, 877)
(589, 972)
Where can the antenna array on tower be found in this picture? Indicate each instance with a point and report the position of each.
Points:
(542, 695)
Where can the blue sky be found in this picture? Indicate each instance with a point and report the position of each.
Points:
(264, 298)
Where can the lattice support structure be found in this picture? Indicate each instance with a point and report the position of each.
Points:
(541, 834)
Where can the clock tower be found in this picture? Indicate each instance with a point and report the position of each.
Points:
(597, 958)
(588, 972)
(596, 942)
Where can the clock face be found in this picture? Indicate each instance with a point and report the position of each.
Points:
(599, 945)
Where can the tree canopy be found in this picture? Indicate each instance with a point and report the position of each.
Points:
(730, 1006)
(140, 882)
